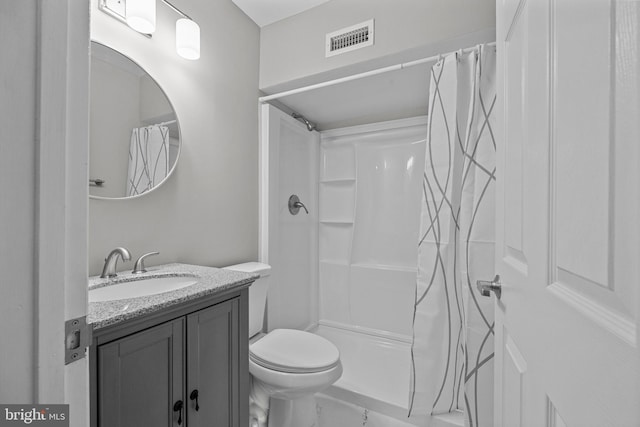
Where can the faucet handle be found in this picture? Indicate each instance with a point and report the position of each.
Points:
(138, 268)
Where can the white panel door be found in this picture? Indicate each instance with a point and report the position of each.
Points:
(567, 213)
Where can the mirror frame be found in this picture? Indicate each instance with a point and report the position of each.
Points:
(175, 164)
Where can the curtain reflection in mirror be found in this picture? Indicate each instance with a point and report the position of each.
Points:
(148, 158)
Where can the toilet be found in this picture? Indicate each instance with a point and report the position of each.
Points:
(287, 366)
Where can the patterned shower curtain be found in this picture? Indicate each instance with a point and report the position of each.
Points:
(148, 158)
(452, 348)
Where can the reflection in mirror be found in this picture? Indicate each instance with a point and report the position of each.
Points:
(134, 133)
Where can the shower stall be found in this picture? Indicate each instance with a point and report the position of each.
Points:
(346, 266)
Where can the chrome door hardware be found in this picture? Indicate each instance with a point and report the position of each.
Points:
(77, 339)
(485, 287)
(295, 204)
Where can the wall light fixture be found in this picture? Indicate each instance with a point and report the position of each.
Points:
(140, 15)
(188, 38)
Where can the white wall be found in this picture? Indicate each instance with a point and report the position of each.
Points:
(17, 195)
(206, 213)
(293, 48)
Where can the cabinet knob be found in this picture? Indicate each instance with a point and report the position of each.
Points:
(177, 407)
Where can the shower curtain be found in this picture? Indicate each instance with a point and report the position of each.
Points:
(148, 158)
(452, 347)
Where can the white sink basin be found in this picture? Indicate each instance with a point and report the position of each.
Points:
(140, 288)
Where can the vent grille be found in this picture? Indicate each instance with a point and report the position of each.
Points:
(361, 35)
(348, 39)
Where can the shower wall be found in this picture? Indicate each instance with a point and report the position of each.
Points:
(290, 244)
(369, 207)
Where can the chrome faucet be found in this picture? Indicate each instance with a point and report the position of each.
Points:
(138, 268)
(109, 269)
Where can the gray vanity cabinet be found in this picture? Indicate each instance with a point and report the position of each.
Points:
(141, 377)
(197, 358)
(212, 382)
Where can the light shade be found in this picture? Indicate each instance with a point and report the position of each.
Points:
(141, 15)
(188, 39)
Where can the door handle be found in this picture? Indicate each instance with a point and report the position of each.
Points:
(485, 287)
(194, 396)
(177, 407)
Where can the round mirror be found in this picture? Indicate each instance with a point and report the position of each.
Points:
(134, 132)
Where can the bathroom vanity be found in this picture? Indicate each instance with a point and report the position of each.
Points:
(177, 358)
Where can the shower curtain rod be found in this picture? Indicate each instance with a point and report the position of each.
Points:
(168, 122)
(375, 72)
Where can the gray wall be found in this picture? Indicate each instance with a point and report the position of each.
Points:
(207, 212)
(17, 199)
(115, 110)
(293, 48)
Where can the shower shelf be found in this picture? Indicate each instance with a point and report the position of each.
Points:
(336, 221)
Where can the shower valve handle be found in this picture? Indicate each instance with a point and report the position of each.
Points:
(295, 204)
(301, 205)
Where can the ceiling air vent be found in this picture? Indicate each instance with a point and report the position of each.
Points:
(350, 38)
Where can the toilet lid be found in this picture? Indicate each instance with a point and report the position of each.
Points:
(290, 350)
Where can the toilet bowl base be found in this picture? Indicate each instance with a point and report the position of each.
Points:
(300, 412)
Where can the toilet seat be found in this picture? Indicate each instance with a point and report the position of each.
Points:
(294, 351)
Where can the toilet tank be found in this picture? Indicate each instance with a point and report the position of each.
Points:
(257, 292)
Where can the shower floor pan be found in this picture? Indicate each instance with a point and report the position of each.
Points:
(374, 388)
(376, 371)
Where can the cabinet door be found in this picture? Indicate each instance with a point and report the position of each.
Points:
(213, 366)
(140, 378)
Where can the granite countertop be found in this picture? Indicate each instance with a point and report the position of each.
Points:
(210, 281)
